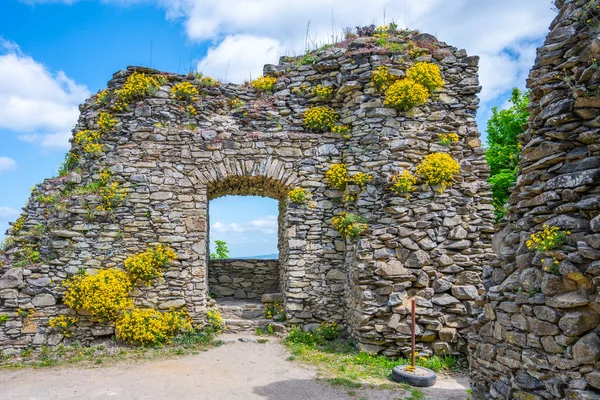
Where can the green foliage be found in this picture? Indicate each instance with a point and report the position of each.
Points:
(503, 129)
(221, 250)
(3, 318)
(69, 163)
(501, 183)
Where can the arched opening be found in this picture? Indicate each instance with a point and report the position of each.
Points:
(249, 215)
(244, 242)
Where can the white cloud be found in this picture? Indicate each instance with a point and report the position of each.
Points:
(7, 164)
(40, 105)
(266, 225)
(246, 35)
(250, 34)
(240, 57)
(8, 213)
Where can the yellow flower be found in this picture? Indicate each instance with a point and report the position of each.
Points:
(405, 94)
(184, 91)
(144, 267)
(404, 182)
(438, 169)
(264, 83)
(426, 74)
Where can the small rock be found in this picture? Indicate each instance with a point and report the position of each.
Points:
(587, 349)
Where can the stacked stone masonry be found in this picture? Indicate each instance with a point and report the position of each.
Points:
(430, 247)
(539, 337)
(243, 279)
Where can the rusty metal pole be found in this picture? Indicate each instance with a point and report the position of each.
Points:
(412, 332)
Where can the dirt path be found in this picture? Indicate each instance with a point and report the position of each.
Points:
(233, 371)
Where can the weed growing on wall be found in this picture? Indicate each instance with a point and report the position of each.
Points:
(320, 118)
(137, 86)
(381, 78)
(206, 81)
(323, 92)
(405, 94)
(105, 295)
(550, 238)
(103, 97)
(301, 196)
(184, 91)
(349, 225)
(106, 122)
(337, 176)
(264, 83)
(438, 169)
(403, 183)
(64, 323)
(447, 139)
(148, 265)
(69, 163)
(426, 74)
(343, 130)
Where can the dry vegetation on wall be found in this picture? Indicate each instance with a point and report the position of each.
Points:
(381, 186)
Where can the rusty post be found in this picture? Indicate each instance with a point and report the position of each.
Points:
(412, 333)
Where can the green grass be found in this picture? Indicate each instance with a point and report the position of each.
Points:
(344, 382)
(185, 344)
(341, 364)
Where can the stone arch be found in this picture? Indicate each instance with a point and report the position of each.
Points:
(267, 178)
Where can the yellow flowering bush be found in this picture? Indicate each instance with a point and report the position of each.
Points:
(237, 103)
(320, 118)
(426, 74)
(405, 94)
(550, 238)
(264, 83)
(381, 78)
(112, 195)
(206, 81)
(337, 176)
(151, 327)
(69, 163)
(343, 130)
(106, 122)
(404, 182)
(299, 195)
(103, 97)
(349, 225)
(361, 179)
(18, 224)
(89, 141)
(104, 176)
(184, 91)
(214, 321)
(137, 86)
(438, 169)
(64, 323)
(324, 92)
(104, 295)
(446, 139)
(148, 265)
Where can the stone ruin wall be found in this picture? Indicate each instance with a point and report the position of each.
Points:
(539, 335)
(431, 247)
(243, 279)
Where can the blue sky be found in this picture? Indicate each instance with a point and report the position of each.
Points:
(55, 53)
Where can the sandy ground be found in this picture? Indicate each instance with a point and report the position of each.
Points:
(235, 370)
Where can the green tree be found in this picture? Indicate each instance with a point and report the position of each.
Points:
(221, 250)
(502, 155)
